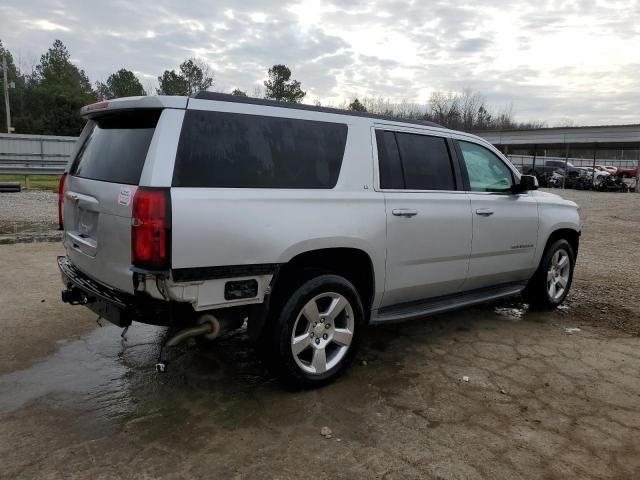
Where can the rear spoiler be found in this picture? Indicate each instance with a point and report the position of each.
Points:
(129, 103)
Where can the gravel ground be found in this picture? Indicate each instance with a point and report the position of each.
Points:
(28, 215)
(491, 392)
(606, 288)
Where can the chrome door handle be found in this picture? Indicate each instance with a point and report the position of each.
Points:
(404, 212)
(485, 212)
(73, 197)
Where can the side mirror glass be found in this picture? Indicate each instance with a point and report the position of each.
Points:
(527, 183)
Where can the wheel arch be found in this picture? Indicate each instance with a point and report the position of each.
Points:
(354, 264)
(569, 234)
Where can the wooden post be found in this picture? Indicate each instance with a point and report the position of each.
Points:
(5, 85)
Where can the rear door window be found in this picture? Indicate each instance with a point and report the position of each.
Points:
(234, 150)
(414, 162)
(391, 176)
(116, 147)
(426, 162)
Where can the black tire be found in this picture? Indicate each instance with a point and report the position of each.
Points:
(280, 337)
(537, 292)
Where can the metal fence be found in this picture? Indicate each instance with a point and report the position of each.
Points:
(520, 160)
(34, 154)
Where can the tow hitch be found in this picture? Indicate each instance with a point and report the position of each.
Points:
(75, 296)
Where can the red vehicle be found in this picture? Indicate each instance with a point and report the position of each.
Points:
(627, 172)
(611, 170)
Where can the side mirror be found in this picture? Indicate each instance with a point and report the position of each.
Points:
(527, 183)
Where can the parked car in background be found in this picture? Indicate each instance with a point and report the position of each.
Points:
(599, 174)
(308, 222)
(610, 169)
(543, 167)
(627, 172)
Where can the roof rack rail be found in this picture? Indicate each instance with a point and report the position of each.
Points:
(227, 97)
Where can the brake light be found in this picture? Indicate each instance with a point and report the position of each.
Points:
(97, 106)
(151, 229)
(60, 197)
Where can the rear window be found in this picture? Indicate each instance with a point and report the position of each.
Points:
(250, 151)
(116, 147)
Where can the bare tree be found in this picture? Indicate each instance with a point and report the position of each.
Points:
(466, 110)
(445, 108)
(470, 104)
(257, 92)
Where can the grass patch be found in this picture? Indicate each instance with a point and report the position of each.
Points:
(34, 182)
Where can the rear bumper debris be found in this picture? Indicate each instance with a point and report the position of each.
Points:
(119, 308)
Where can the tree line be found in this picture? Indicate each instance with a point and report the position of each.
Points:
(47, 100)
(466, 110)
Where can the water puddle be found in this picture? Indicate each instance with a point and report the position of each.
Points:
(102, 376)
(94, 369)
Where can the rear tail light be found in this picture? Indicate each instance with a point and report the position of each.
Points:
(63, 178)
(151, 229)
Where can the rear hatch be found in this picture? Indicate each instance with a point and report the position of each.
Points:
(99, 190)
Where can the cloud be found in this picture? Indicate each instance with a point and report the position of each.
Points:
(472, 45)
(46, 25)
(554, 60)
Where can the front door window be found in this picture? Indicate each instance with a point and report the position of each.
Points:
(487, 173)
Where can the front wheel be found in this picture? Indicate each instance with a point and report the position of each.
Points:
(317, 332)
(551, 283)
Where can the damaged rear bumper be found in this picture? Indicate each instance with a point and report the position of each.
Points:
(119, 308)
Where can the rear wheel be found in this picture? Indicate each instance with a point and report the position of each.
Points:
(551, 283)
(316, 335)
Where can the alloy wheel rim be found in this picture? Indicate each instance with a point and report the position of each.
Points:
(558, 274)
(322, 333)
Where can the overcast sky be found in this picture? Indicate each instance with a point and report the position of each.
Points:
(553, 60)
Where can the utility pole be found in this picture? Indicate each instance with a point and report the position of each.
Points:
(5, 84)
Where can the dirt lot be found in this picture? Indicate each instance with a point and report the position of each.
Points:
(28, 216)
(540, 402)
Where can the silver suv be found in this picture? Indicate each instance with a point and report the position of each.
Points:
(309, 223)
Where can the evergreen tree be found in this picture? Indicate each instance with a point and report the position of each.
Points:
(194, 75)
(280, 87)
(356, 106)
(55, 92)
(122, 83)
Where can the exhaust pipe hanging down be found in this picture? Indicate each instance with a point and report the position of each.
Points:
(208, 326)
